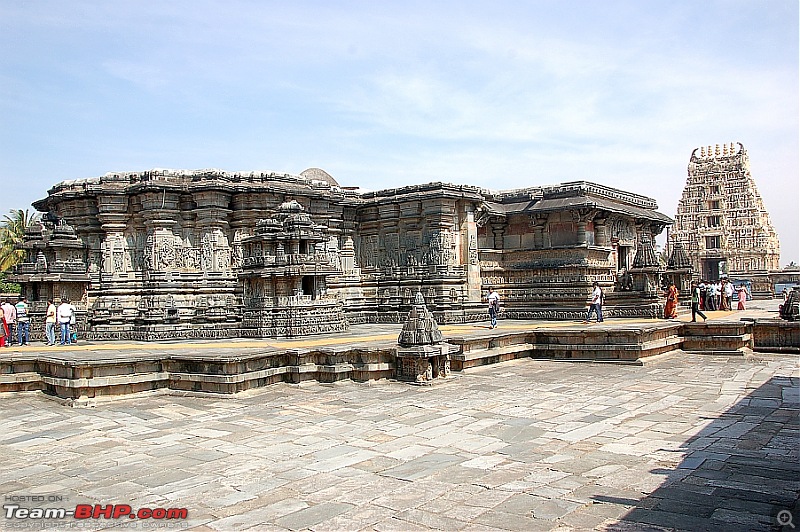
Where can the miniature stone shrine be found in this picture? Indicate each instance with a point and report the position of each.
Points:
(423, 354)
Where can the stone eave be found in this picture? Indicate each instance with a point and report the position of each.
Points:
(588, 202)
(422, 191)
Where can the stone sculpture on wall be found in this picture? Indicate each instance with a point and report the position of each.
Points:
(230, 249)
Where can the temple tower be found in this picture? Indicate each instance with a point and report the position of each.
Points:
(721, 220)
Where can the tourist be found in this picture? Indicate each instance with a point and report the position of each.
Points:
(696, 302)
(703, 294)
(10, 315)
(671, 306)
(50, 323)
(64, 313)
(4, 332)
(494, 306)
(596, 303)
(23, 321)
(741, 293)
(728, 295)
(711, 296)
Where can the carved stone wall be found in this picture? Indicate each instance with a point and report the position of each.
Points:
(207, 253)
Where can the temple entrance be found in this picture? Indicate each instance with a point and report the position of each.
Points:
(622, 258)
(714, 269)
(309, 286)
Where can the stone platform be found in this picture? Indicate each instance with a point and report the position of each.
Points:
(685, 442)
(83, 373)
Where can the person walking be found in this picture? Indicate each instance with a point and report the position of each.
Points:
(671, 306)
(596, 303)
(728, 295)
(50, 323)
(23, 321)
(10, 315)
(696, 303)
(494, 306)
(64, 316)
(4, 332)
(741, 293)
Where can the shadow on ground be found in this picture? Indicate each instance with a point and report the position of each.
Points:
(742, 472)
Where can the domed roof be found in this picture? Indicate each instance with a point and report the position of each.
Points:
(320, 175)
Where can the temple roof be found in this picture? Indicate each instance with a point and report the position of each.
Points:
(553, 200)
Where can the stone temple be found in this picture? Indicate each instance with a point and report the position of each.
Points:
(721, 221)
(166, 254)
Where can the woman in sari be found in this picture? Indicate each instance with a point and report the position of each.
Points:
(671, 307)
(4, 332)
(741, 292)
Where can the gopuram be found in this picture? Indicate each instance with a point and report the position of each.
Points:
(167, 254)
(721, 221)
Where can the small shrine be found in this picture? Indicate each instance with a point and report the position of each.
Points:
(679, 270)
(284, 273)
(423, 355)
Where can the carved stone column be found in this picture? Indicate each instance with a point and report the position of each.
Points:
(212, 227)
(113, 217)
(160, 213)
(600, 238)
(584, 216)
(498, 231)
(469, 230)
(539, 222)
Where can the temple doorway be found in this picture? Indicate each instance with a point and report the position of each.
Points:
(714, 269)
(309, 286)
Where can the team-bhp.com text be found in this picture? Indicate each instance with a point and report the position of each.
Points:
(97, 511)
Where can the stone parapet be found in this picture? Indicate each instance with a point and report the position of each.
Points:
(777, 336)
(81, 377)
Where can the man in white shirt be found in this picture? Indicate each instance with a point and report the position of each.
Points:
(494, 306)
(596, 303)
(64, 313)
(728, 295)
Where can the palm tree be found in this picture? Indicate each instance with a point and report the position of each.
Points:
(11, 232)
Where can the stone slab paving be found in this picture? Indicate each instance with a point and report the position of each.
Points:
(686, 442)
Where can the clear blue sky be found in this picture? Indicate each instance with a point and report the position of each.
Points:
(496, 94)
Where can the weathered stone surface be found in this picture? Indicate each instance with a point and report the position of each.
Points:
(168, 254)
(721, 221)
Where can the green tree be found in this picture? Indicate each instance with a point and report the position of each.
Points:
(12, 230)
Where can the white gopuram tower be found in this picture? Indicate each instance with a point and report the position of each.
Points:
(721, 219)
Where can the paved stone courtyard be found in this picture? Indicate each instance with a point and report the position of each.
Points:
(686, 442)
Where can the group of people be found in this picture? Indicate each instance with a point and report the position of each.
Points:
(16, 319)
(719, 295)
(707, 296)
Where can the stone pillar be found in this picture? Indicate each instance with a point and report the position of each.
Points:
(348, 255)
(212, 228)
(113, 217)
(160, 213)
(600, 238)
(584, 216)
(539, 223)
(498, 231)
(469, 230)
